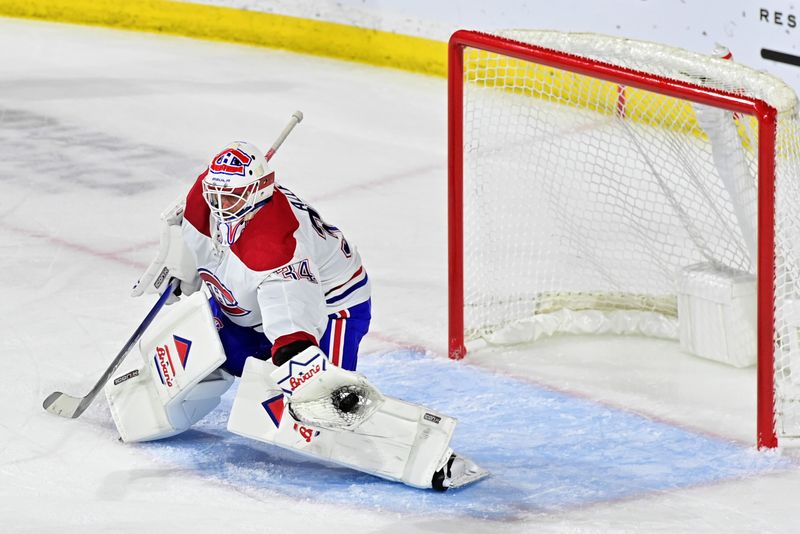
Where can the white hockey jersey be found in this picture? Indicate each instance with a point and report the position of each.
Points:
(286, 272)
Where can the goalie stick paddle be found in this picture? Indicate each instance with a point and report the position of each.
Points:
(64, 405)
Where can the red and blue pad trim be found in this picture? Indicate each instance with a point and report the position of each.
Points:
(274, 407)
(183, 347)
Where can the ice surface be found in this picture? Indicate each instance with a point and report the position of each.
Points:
(100, 129)
(547, 451)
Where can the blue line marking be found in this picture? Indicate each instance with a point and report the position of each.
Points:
(547, 451)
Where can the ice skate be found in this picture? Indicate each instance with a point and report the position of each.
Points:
(458, 471)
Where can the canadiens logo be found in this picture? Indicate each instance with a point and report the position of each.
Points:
(230, 161)
(222, 294)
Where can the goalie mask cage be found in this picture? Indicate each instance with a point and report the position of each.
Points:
(581, 182)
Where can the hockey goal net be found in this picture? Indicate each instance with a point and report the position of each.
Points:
(593, 179)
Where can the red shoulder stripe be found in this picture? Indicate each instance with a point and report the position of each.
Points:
(197, 211)
(268, 241)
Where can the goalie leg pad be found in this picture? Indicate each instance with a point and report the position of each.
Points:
(177, 381)
(398, 441)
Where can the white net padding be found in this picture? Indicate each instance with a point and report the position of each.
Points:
(583, 199)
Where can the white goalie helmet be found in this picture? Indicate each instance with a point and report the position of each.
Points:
(238, 181)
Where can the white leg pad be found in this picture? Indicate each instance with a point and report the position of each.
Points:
(400, 441)
(176, 381)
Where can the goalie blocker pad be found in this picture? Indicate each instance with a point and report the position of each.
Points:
(176, 381)
(392, 439)
(173, 260)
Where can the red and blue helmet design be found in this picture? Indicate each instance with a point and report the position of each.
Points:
(238, 181)
(231, 161)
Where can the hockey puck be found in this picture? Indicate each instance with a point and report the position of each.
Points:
(346, 401)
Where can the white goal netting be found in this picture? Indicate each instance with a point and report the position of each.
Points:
(583, 200)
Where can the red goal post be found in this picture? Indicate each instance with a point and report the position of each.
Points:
(489, 47)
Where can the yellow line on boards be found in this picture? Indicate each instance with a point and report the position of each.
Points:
(321, 38)
(374, 47)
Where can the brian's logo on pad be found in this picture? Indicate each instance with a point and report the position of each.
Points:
(222, 294)
(298, 372)
(296, 381)
(164, 365)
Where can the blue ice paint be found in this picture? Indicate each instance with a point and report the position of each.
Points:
(547, 451)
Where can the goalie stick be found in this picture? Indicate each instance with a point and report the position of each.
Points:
(61, 404)
(295, 119)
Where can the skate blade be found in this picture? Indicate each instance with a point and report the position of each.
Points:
(470, 476)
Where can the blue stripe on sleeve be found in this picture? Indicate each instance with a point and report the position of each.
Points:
(336, 299)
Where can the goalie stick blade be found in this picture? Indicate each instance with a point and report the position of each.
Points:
(63, 405)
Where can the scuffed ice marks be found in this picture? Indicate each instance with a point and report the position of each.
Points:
(61, 157)
(547, 451)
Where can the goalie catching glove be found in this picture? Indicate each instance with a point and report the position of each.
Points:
(173, 260)
(322, 395)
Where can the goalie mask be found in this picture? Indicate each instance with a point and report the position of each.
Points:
(238, 182)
